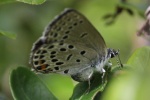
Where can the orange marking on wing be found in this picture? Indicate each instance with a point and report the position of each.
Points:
(43, 67)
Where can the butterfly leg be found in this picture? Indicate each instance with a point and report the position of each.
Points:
(103, 75)
(108, 64)
(89, 84)
(106, 70)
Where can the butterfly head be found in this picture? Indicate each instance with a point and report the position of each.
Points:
(111, 53)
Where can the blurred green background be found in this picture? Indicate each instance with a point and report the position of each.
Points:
(29, 21)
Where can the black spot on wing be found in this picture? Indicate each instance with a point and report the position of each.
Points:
(54, 60)
(62, 49)
(42, 61)
(52, 56)
(66, 71)
(36, 62)
(41, 56)
(65, 37)
(82, 52)
(67, 32)
(69, 57)
(83, 35)
(78, 60)
(56, 68)
(53, 52)
(70, 46)
(43, 52)
(35, 57)
(59, 63)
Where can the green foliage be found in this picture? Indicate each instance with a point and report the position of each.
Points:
(36, 2)
(140, 59)
(83, 91)
(33, 2)
(125, 83)
(133, 84)
(25, 85)
(7, 34)
(27, 18)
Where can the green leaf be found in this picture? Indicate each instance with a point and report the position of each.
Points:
(7, 34)
(33, 2)
(82, 91)
(120, 82)
(25, 85)
(6, 1)
(97, 85)
(140, 59)
(36, 2)
(132, 84)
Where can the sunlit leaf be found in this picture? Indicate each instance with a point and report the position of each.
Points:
(25, 85)
(132, 84)
(82, 91)
(140, 59)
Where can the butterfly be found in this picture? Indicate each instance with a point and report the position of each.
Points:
(71, 45)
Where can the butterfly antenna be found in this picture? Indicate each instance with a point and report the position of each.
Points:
(116, 53)
(119, 61)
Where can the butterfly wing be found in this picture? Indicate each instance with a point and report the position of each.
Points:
(70, 41)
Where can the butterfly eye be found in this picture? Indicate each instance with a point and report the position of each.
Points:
(110, 53)
(114, 53)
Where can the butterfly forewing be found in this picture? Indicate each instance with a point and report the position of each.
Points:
(70, 41)
(73, 25)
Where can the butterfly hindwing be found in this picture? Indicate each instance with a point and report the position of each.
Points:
(57, 57)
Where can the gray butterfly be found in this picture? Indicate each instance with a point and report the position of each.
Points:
(71, 45)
